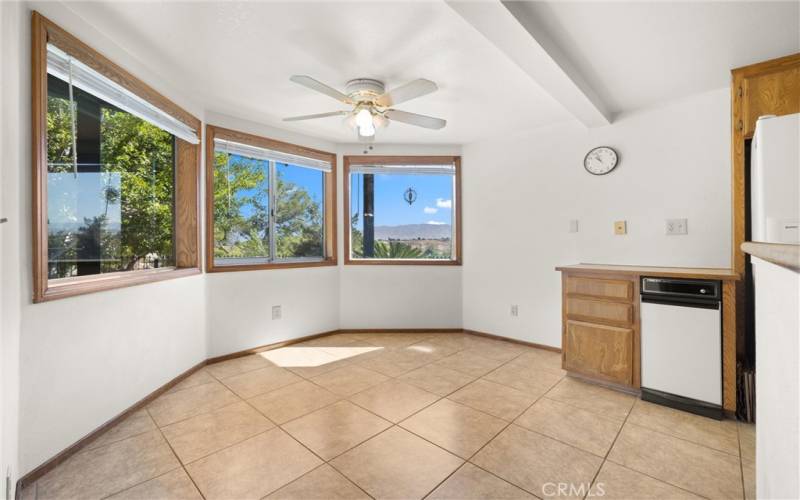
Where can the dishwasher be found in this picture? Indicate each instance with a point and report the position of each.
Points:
(681, 344)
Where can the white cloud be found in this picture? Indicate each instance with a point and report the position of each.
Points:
(442, 203)
(436, 223)
(430, 210)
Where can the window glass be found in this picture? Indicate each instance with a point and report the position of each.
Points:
(401, 216)
(241, 210)
(298, 211)
(110, 187)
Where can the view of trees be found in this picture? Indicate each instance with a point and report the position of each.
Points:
(137, 171)
(242, 211)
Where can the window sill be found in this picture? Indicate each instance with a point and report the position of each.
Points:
(401, 262)
(71, 287)
(211, 268)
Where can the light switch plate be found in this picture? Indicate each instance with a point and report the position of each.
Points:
(276, 312)
(514, 310)
(621, 227)
(573, 225)
(676, 226)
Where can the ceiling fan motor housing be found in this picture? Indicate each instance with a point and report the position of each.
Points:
(364, 89)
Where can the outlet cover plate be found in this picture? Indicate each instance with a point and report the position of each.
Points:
(621, 227)
(676, 226)
(514, 310)
(276, 312)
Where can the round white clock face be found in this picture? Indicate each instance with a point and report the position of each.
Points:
(600, 161)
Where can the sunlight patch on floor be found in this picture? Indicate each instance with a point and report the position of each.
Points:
(295, 357)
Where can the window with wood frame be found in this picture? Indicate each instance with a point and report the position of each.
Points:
(403, 210)
(115, 173)
(269, 204)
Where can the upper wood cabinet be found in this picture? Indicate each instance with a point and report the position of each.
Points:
(773, 93)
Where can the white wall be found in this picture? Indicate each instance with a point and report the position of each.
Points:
(397, 296)
(520, 193)
(81, 360)
(777, 295)
(238, 307)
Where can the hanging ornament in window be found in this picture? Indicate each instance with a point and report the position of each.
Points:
(410, 196)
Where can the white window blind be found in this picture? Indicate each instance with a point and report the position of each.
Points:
(67, 68)
(258, 153)
(448, 169)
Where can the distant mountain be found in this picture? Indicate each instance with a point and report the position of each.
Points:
(413, 231)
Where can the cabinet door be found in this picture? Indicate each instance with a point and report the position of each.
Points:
(600, 351)
(775, 93)
(600, 310)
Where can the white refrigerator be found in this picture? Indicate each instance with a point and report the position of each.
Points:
(775, 180)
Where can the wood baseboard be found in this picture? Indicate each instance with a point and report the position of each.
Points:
(34, 475)
(515, 341)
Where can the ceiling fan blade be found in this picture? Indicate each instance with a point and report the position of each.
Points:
(415, 119)
(407, 92)
(318, 115)
(308, 82)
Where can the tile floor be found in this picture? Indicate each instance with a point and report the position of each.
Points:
(442, 416)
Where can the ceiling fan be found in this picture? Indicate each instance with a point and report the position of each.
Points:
(372, 104)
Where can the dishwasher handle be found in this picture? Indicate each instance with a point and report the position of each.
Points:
(681, 302)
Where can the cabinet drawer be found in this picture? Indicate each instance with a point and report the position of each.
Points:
(597, 287)
(601, 351)
(600, 310)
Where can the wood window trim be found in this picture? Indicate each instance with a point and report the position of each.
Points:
(403, 160)
(187, 172)
(330, 218)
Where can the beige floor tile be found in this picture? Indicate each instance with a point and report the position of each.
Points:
(473, 483)
(293, 401)
(396, 362)
(749, 480)
(353, 351)
(533, 462)
(204, 434)
(175, 406)
(312, 371)
(747, 441)
(236, 366)
(335, 340)
(252, 469)
(542, 359)
(701, 470)
(335, 429)
(396, 339)
(199, 377)
(524, 377)
(304, 361)
(107, 470)
(256, 382)
(455, 427)
(615, 482)
(437, 379)
(580, 428)
(499, 351)
(721, 435)
(174, 485)
(494, 399)
(433, 347)
(606, 402)
(397, 464)
(322, 483)
(349, 380)
(470, 363)
(137, 423)
(394, 400)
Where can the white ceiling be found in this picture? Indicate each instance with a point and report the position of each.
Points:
(236, 57)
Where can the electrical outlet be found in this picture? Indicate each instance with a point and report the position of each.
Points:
(676, 226)
(276, 312)
(573, 225)
(514, 310)
(621, 227)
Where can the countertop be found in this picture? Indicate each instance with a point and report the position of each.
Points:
(781, 254)
(669, 272)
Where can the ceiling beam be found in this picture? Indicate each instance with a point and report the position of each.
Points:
(528, 46)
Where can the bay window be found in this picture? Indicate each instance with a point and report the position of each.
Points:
(271, 204)
(402, 210)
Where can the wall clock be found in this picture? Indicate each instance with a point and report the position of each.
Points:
(600, 160)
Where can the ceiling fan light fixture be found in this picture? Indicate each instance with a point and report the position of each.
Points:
(365, 123)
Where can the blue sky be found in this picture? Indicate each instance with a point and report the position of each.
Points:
(433, 205)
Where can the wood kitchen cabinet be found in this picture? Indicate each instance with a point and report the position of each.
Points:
(601, 331)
